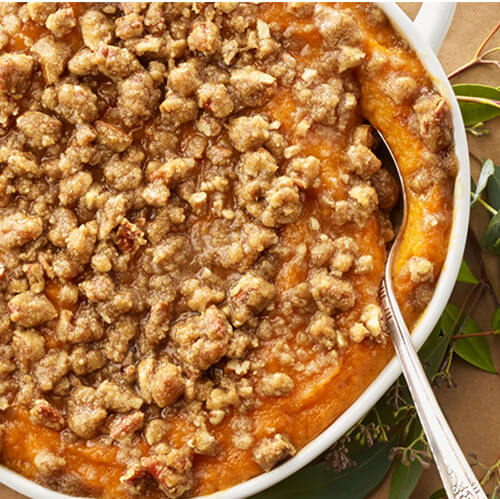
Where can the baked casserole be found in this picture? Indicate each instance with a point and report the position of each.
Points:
(193, 230)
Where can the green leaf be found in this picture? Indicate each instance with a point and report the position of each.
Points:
(487, 170)
(495, 322)
(319, 482)
(449, 317)
(475, 351)
(494, 189)
(438, 494)
(473, 112)
(465, 274)
(405, 476)
(434, 349)
(478, 129)
(491, 238)
(432, 352)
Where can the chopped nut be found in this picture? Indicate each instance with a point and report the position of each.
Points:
(271, 451)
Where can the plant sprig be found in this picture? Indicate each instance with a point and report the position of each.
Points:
(489, 181)
(479, 55)
(491, 476)
(478, 103)
(477, 130)
(417, 450)
(479, 100)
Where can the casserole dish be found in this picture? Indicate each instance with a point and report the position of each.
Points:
(425, 323)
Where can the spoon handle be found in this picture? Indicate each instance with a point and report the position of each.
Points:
(458, 479)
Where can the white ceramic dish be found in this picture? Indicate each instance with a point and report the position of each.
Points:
(425, 35)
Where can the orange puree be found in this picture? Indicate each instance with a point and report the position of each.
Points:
(320, 395)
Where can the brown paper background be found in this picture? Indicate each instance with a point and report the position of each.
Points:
(473, 408)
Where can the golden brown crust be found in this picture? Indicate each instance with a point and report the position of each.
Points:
(192, 231)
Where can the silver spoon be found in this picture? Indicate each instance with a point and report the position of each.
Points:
(458, 479)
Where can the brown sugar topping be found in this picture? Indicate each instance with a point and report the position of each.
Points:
(193, 222)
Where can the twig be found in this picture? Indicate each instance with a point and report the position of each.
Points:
(478, 59)
(492, 51)
(472, 335)
(479, 100)
(485, 277)
(487, 206)
(477, 158)
(486, 40)
(469, 303)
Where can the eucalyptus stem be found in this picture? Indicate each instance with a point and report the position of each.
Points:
(383, 434)
(477, 158)
(479, 100)
(478, 58)
(485, 275)
(487, 206)
(468, 305)
(491, 472)
(492, 51)
(489, 36)
(472, 335)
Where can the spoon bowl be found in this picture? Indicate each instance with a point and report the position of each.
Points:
(398, 212)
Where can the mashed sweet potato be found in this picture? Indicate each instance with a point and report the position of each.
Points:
(193, 230)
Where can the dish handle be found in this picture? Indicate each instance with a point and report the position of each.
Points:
(433, 21)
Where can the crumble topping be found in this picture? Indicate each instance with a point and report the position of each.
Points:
(147, 194)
